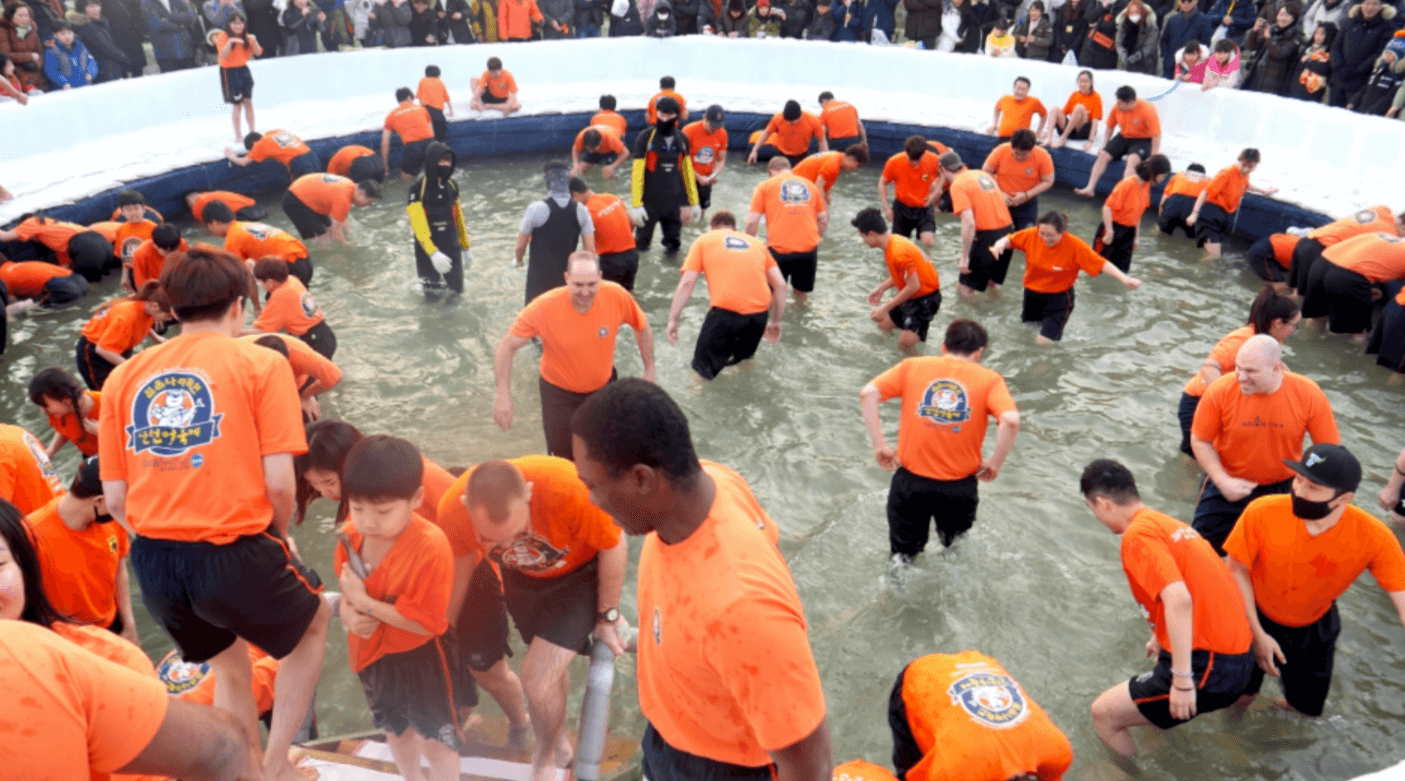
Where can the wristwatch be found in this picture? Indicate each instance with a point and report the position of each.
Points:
(609, 616)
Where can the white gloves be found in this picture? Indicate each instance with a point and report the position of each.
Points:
(441, 262)
(467, 260)
(695, 213)
(638, 215)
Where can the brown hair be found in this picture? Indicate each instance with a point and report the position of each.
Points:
(150, 291)
(202, 284)
(271, 268)
(491, 486)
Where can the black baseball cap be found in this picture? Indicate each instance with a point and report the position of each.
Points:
(714, 114)
(1331, 465)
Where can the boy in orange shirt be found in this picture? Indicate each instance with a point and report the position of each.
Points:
(985, 219)
(319, 205)
(133, 230)
(707, 140)
(919, 295)
(1221, 199)
(666, 90)
(253, 240)
(41, 282)
(396, 573)
(434, 96)
(73, 412)
(415, 130)
(1023, 170)
(608, 116)
(598, 146)
(796, 218)
(357, 163)
(151, 254)
(842, 126)
(290, 307)
(1138, 139)
(824, 168)
(1178, 198)
(1013, 112)
(789, 134)
(496, 89)
(244, 207)
(915, 174)
(280, 145)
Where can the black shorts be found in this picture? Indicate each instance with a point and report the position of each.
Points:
(840, 144)
(1174, 210)
(1215, 516)
(1119, 146)
(1349, 304)
(1185, 413)
(985, 267)
(914, 502)
(662, 762)
(597, 158)
(1212, 225)
(205, 595)
(366, 168)
(93, 368)
(491, 99)
(913, 219)
(255, 213)
(309, 223)
(727, 338)
(1083, 133)
(1314, 303)
(1219, 681)
(91, 255)
(560, 610)
(320, 338)
(620, 268)
(1305, 256)
(64, 290)
(1311, 652)
(1117, 248)
(481, 628)
(1050, 310)
(438, 121)
(1264, 264)
(237, 84)
(1026, 214)
(422, 688)
(915, 314)
(704, 195)
(412, 156)
(798, 268)
(304, 164)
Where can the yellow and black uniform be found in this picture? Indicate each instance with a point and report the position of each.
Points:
(437, 220)
(663, 183)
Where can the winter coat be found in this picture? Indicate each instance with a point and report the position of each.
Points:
(1136, 44)
(1357, 46)
(124, 19)
(1038, 48)
(629, 24)
(97, 36)
(1070, 29)
(797, 17)
(1312, 74)
(169, 30)
(424, 26)
(685, 16)
(69, 68)
(758, 26)
(1241, 12)
(823, 28)
(1276, 52)
(590, 14)
(563, 12)
(1100, 46)
(924, 19)
(1177, 30)
(879, 15)
(654, 27)
(465, 29)
(390, 24)
(1379, 91)
(848, 21)
(265, 24)
(976, 20)
(1320, 11)
(217, 13)
(12, 44)
(301, 30)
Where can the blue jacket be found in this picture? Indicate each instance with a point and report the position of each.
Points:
(169, 31)
(878, 14)
(850, 29)
(65, 67)
(1177, 30)
(1242, 12)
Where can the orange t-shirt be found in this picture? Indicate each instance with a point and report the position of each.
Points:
(735, 265)
(71, 426)
(196, 682)
(1283, 245)
(609, 141)
(911, 183)
(278, 145)
(860, 770)
(792, 209)
(199, 400)
(1092, 103)
(1377, 219)
(1379, 257)
(978, 192)
(724, 668)
(432, 92)
(566, 533)
(289, 308)
(1016, 114)
(72, 713)
(974, 722)
(651, 112)
(1017, 176)
(239, 53)
(307, 363)
(255, 240)
(1227, 189)
(114, 648)
(612, 119)
(1223, 353)
(120, 327)
(503, 84)
(234, 201)
(1188, 183)
(27, 278)
(824, 164)
(79, 567)
(1297, 576)
(129, 236)
(904, 257)
(436, 482)
(793, 138)
(578, 350)
(614, 232)
(1254, 433)
(1129, 201)
(1141, 122)
(147, 262)
(1054, 269)
(1158, 550)
(28, 479)
(417, 575)
(840, 120)
(410, 122)
(53, 234)
(327, 194)
(706, 147)
(340, 164)
(946, 405)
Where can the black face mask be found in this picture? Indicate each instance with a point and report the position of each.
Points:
(666, 125)
(1312, 511)
(100, 518)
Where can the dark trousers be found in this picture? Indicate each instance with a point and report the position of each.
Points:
(167, 66)
(914, 502)
(321, 338)
(1186, 413)
(665, 216)
(558, 405)
(620, 268)
(1215, 516)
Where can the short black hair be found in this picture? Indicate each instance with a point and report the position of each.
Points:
(55, 383)
(382, 467)
(130, 198)
(633, 422)
(590, 138)
(667, 105)
(1125, 94)
(915, 147)
(1023, 139)
(1250, 155)
(607, 102)
(216, 211)
(578, 185)
(667, 82)
(494, 64)
(792, 111)
(826, 95)
(432, 71)
(1110, 479)
(273, 342)
(167, 236)
(857, 151)
(870, 220)
(1057, 220)
(965, 337)
(1225, 45)
(1196, 167)
(403, 94)
(1025, 79)
(370, 188)
(251, 139)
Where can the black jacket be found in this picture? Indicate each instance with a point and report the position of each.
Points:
(1358, 45)
(924, 19)
(97, 36)
(1070, 28)
(1275, 56)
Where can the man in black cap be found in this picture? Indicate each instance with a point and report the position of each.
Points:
(664, 190)
(552, 227)
(1293, 555)
(707, 142)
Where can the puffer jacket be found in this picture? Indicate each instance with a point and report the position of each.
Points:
(758, 26)
(1358, 45)
(1043, 40)
(1276, 53)
(1137, 45)
(924, 19)
(390, 24)
(97, 36)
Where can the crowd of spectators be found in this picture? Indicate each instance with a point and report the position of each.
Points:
(1343, 52)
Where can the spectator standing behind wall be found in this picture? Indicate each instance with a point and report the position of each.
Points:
(333, 23)
(96, 34)
(168, 24)
(125, 19)
(879, 15)
(389, 24)
(924, 21)
(265, 25)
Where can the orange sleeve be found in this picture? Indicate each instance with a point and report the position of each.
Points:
(758, 199)
(890, 170)
(1322, 424)
(1117, 199)
(275, 314)
(1388, 564)
(633, 314)
(123, 709)
(1207, 416)
(998, 400)
(525, 326)
(427, 601)
(580, 140)
(1153, 120)
(1148, 562)
(890, 383)
(960, 199)
(278, 415)
(453, 519)
(1243, 542)
(261, 150)
(341, 201)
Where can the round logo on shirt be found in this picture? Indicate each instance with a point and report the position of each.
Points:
(179, 675)
(794, 191)
(986, 182)
(259, 231)
(603, 332)
(530, 553)
(991, 699)
(945, 402)
(173, 413)
(704, 155)
(736, 243)
(1365, 216)
(309, 305)
(1029, 171)
(129, 247)
(658, 628)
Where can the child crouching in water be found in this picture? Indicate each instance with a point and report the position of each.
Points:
(397, 615)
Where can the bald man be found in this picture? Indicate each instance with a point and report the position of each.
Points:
(1247, 424)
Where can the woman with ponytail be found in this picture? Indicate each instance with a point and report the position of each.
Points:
(320, 471)
(1121, 230)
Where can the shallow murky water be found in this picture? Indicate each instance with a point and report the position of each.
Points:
(1037, 582)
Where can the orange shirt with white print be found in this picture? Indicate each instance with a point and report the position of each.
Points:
(290, 307)
(1379, 257)
(840, 120)
(651, 112)
(612, 119)
(327, 194)
(824, 164)
(254, 240)
(1188, 183)
(307, 363)
(977, 191)
(578, 349)
(278, 145)
(706, 147)
(120, 327)
(792, 207)
(130, 235)
(1377, 219)
(614, 233)
(28, 479)
(234, 201)
(735, 265)
(1253, 433)
(410, 122)
(904, 257)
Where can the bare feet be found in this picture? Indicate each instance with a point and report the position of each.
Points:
(1086, 192)
(1056, 143)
